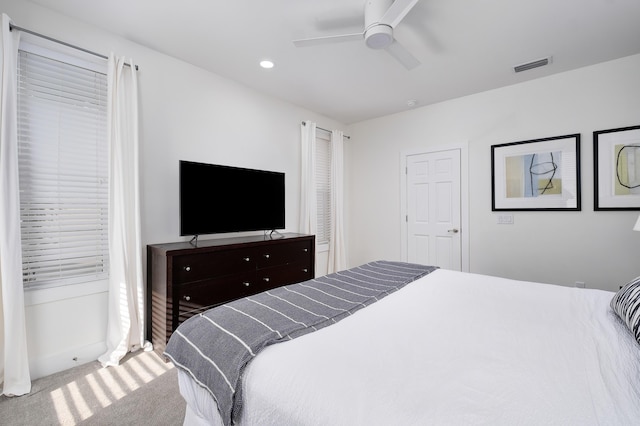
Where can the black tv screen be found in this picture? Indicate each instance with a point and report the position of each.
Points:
(217, 199)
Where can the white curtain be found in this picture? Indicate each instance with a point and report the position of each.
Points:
(14, 360)
(125, 328)
(337, 255)
(308, 203)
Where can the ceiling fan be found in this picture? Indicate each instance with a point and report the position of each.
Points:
(380, 18)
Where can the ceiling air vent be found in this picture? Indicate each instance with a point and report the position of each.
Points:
(532, 64)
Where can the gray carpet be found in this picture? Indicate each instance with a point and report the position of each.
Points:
(142, 390)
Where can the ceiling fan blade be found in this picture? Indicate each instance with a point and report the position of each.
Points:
(397, 11)
(402, 55)
(328, 39)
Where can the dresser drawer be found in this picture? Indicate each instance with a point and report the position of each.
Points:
(196, 267)
(277, 276)
(283, 254)
(196, 298)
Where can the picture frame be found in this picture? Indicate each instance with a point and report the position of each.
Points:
(616, 169)
(537, 174)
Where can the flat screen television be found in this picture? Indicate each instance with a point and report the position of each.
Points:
(218, 199)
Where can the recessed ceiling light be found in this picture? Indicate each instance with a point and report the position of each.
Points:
(266, 64)
(411, 103)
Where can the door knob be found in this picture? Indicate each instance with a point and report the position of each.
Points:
(453, 231)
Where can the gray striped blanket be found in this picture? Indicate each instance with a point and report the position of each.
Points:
(215, 346)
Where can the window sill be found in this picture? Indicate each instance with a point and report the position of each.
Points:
(47, 295)
(321, 248)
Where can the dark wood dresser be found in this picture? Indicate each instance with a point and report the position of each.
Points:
(183, 279)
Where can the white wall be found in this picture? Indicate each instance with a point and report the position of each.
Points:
(598, 248)
(186, 113)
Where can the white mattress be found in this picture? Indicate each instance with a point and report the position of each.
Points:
(473, 349)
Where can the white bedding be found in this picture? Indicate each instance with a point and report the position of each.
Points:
(476, 350)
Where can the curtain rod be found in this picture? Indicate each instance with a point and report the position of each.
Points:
(325, 130)
(64, 43)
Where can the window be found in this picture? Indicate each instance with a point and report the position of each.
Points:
(323, 189)
(63, 171)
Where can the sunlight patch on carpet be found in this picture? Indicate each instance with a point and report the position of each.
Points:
(79, 400)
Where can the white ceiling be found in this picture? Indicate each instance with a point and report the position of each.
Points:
(465, 46)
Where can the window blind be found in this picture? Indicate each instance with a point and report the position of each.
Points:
(323, 190)
(63, 171)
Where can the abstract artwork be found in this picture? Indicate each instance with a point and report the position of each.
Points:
(533, 175)
(616, 154)
(540, 174)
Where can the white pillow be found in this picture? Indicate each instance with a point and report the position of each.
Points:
(626, 303)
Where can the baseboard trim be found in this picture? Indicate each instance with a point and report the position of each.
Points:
(45, 366)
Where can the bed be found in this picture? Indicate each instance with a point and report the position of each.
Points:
(442, 348)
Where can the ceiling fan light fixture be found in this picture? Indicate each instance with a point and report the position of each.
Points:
(379, 36)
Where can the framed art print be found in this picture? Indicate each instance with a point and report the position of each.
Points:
(616, 158)
(539, 174)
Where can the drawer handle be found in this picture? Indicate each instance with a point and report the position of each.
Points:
(187, 298)
(246, 284)
(266, 279)
(187, 268)
(246, 259)
(266, 256)
(305, 250)
(305, 270)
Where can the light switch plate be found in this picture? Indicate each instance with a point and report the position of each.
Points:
(505, 219)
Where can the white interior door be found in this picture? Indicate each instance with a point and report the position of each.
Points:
(433, 209)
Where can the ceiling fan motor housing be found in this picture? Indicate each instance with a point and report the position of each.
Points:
(377, 35)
